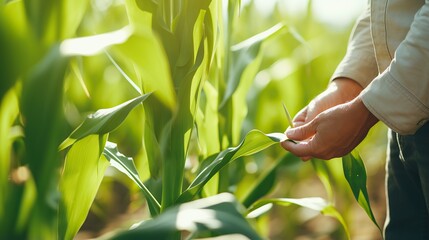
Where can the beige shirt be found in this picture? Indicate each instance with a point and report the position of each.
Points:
(388, 54)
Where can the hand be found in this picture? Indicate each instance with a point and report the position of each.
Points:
(332, 133)
(339, 91)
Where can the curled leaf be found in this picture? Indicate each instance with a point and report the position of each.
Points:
(126, 165)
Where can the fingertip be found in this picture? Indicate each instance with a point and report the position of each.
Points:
(299, 149)
(295, 133)
(289, 145)
(284, 144)
(298, 123)
(290, 132)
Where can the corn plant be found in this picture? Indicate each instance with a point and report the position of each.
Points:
(190, 77)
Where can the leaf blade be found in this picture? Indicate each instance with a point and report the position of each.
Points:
(43, 120)
(314, 203)
(355, 174)
(254, 142)
(126, 166)
(243, 54)
(103, 121)
(219, 214)
(83, 172)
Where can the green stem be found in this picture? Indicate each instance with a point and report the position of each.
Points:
(223, 179)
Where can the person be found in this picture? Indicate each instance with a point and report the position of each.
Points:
(384, 76)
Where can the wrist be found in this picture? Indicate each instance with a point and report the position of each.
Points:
(348, 88)
(361, 110)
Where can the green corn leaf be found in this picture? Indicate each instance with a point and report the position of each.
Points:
(242, 55)
(77, 71)
(55, 20)
(315, 203)
(147, 5)
(92, 45)
(207, 121)
(355, 173)
(9, 109)
(243, 64)
(38, 13)
(236, 109)
(189, 66)
(26, 211)
(103, 121)
(189, 30)
(322, 172)
(138, 18)
(72, 14)
(263, 184)
(181, 131)
(15, 47)
(126, 166)
(79, 183)
(144, 50)
(288, 117)
(217, 215)
(129, 80)
(254, 142)
(41, 105)
(152, 149)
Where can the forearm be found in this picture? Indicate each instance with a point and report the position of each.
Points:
(400, 95)
(348, 88)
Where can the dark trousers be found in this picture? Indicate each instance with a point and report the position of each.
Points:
(407, 184)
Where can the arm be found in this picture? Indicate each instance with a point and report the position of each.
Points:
(340, 91)
(337, 110)
(400, 95)
(355, 71)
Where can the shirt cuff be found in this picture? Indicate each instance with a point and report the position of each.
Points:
(394, 105)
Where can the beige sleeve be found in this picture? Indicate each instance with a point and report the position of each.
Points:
(400, 95)
(359, 62)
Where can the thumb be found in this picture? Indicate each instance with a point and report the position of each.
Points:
(300, 117)
(302, 132)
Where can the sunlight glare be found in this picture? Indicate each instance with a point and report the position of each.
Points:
(87, 46)
(337, 13)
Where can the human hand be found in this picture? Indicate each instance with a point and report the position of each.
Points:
(332, 133)
(339, 91)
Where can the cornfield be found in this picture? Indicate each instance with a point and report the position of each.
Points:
(179, 103)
